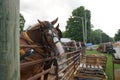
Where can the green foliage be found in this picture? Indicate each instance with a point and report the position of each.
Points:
(64, 34)
(76, 22)
(95, 37)
(98, 36)
(22, 22)
(117, 35)
(88, 24)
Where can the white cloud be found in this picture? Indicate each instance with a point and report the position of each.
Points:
(45, 10)
(104, 13)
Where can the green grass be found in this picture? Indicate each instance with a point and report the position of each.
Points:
(109, 68)
(109, 71)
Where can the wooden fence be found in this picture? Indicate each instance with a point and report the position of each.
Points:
(69, 62)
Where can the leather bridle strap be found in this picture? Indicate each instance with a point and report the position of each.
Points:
(27, 37)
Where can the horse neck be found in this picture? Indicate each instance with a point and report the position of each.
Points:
(35, 36)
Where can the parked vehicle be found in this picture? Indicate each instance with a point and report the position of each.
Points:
(106, 48)
(102, 48)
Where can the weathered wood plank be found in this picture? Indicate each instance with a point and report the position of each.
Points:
(9, 40)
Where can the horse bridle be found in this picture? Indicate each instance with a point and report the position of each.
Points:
(52, 33)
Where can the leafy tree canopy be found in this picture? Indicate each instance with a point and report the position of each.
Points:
(117, 35)
(80, 18)
(76, 22)
(22, 22)
(98, 36)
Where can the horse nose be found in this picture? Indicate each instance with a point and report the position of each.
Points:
(60, 48)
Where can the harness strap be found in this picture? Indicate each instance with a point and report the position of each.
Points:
(31, 42)
(57, 42)
(22, 51)
(27, 37)
(27, 53)
(29, 59)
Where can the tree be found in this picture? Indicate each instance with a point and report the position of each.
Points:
(76, 27)
(64, 34)
(88, 24)
(75, 23)
(98, 36)
(22, 22)
(117, 35)
(95, 36)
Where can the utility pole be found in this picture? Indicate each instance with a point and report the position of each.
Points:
(9, 40)
(85, 28)
(100, 32)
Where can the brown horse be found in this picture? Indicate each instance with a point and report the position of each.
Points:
(47, 38)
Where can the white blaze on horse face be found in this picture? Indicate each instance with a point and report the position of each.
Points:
(59, 46)
(55, 39)
(57, 43)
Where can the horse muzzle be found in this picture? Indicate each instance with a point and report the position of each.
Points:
(60, 48)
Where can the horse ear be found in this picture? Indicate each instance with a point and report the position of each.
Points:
(54, 21)
(57, 27)
(41, 23)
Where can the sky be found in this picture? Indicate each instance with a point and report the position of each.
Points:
(105, 14)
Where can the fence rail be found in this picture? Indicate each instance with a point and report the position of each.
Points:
(71, 60)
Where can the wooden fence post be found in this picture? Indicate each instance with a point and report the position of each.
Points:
(9, 40)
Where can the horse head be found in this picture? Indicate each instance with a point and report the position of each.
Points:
(46, 34)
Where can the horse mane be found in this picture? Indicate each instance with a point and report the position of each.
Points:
(37, 26)
(33, 26)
